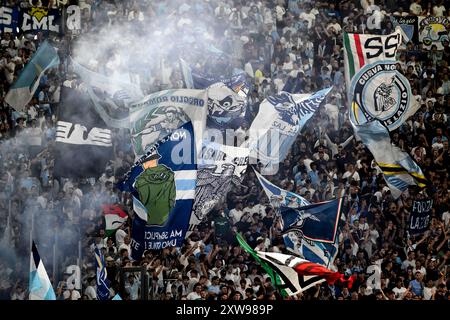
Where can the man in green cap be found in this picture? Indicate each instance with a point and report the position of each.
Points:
(157, 191)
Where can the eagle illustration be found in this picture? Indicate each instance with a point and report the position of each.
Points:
(211, 187)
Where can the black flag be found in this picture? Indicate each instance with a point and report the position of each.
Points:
(83, 142)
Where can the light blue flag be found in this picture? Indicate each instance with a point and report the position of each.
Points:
(187, 74)
(102, 280)
(114, 87)
(278, 123)
(399, 169)
(314, 251)
(27, 83)
(40, 286)
(117, 297)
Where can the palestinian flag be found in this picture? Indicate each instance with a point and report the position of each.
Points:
(308, 273)
(115, 216)
(291, 274)
(283, 277)
(276, 280)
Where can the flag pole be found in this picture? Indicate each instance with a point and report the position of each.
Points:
(54, 258)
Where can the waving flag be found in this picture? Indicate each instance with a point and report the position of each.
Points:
(162, 183)
(399, 169)
(115, 88)
(40, 286)
(376, 90)
(279, 197)
(160, 114)
(278, 123)
(286, 285)
(317, 222)
(291, 274)
(314, 251)
(220, 169)
(27, 83)
(114, 218)
(198, 80)
(286, 264)
(80, 132)
(102, 280)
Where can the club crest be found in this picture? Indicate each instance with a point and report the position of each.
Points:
(380, 92)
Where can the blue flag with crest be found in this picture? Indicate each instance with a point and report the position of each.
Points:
(314, 251)
(317, 222)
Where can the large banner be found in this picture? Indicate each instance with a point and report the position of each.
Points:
(399, 169)
(163, 190)
(39, 19)
(160, 114)
(276, 126)
(220, 169)
(83, 141)
(376, 90)
(314, 251)
(434, 31)
(9, 18)
(420, 216)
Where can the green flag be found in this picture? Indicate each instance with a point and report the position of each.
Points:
(273, 275)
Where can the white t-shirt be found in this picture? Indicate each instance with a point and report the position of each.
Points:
(439, 11)
(399, 292)
(120, 235)
(310, 17)
(236, 215)
(194, 296)
(428, 292)
(125, 246)
(446, 217)
(348, 174)
(91, 293)
(332, 110)
(374, 235)
(421, 270)
(415, 8)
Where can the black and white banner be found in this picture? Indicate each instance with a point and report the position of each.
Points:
(83, 141)
(420, 216)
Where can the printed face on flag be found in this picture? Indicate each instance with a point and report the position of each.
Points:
(162, 113)
(224, 106)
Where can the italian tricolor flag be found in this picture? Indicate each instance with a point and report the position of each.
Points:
(362, 49)
(115, 216)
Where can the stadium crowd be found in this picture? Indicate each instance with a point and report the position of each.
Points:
(275, 42)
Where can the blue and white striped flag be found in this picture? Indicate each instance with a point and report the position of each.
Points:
(27, 83)
(162, 184)
(399, 169)
(102, 280)
(40, 286)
